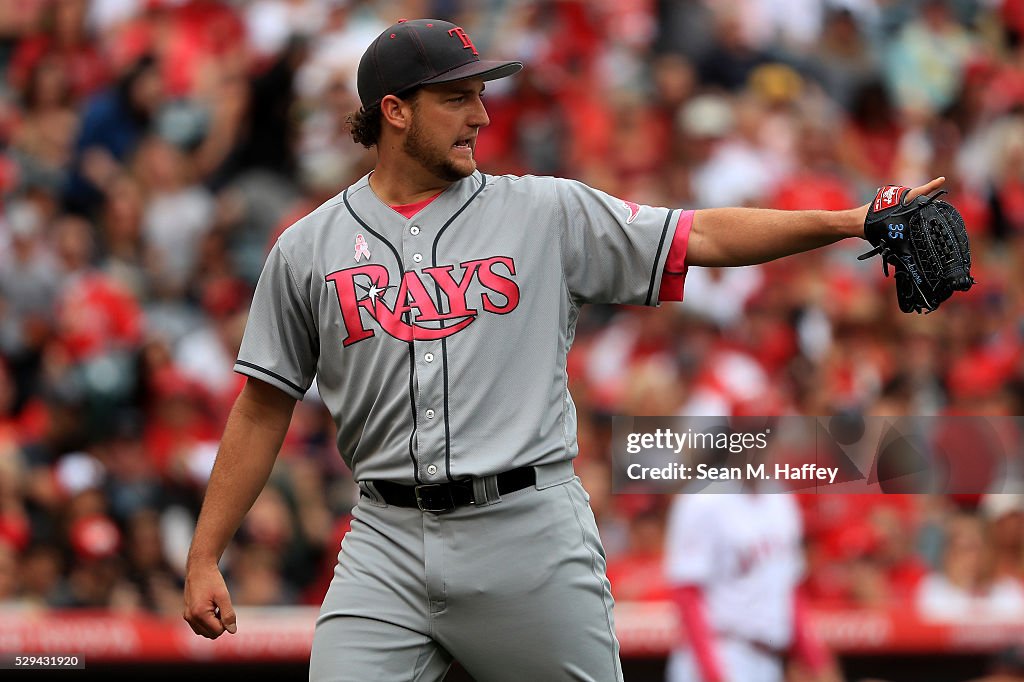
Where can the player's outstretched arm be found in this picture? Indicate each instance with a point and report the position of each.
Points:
(252, 438)
(723, 237)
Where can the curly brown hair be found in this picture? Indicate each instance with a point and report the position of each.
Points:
(365, 126)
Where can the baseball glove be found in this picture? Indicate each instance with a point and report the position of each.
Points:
(926, 243)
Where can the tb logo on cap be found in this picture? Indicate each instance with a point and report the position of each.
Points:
(466, 42)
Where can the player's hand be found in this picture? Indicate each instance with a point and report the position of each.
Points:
(208, 607)
(927, 188)
(924, 189)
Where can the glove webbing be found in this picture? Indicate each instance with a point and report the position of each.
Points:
(949, 253)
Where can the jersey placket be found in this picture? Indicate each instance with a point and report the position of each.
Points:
(428, 360)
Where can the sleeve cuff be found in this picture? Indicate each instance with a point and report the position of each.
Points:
(265, 375)
(675, 264)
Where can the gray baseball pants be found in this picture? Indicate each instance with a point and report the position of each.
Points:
(514, 589)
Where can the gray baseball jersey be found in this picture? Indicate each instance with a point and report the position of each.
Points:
(439, 342)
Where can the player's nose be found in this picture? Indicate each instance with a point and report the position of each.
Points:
(478, 118)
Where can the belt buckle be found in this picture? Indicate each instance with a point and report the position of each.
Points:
(435, 498)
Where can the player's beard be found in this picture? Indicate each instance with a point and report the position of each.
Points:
(422, 149)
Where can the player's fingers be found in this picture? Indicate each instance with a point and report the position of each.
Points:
(205, 622)
(924, 189)
(227, 613)
(212, 616)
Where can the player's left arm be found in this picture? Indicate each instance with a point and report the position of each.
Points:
(722, 237)
(808, 650)
(690, 605)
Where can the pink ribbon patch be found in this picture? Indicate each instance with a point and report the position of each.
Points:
(361, 248)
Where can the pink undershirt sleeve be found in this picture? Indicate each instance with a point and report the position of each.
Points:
(675, 264)
(690, 602)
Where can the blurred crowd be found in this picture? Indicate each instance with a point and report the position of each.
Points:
(152, 150)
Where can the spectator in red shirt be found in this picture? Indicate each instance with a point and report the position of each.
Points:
(870, 141)
(637, 574)
(95, 315)
(62, 38)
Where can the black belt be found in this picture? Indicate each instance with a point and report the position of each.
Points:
(444, 497)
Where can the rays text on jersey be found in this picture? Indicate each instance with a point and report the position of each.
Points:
(363, 292)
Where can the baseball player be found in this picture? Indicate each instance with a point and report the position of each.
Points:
(435, 305)
(734, 562)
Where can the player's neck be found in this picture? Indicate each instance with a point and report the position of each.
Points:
(398, 186)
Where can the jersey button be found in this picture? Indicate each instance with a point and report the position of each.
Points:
(414, 230)
(431, 469)
(416, 258)
(430, 414)
(429, 357)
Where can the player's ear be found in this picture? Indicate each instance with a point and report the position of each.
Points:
(396, 111)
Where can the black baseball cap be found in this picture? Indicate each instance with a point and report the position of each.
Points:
(418, 52)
